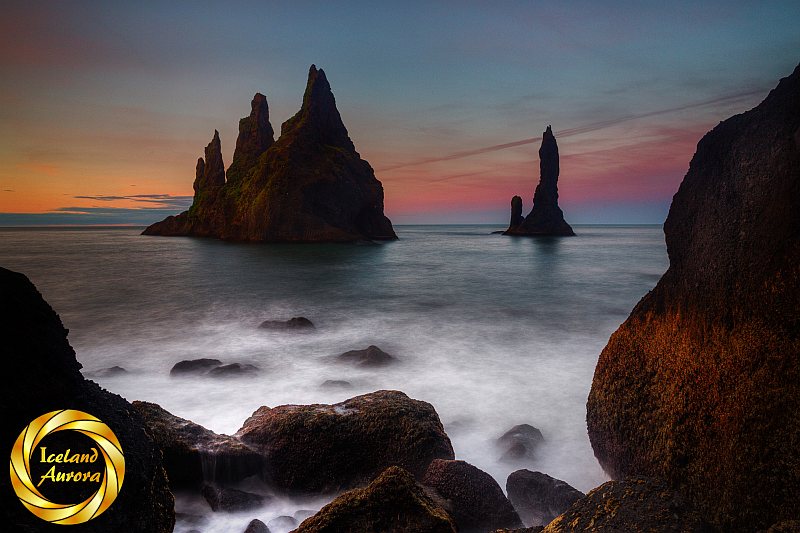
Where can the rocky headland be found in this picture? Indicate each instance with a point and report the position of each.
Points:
(545, 218)
(701, 384)
(308, 186)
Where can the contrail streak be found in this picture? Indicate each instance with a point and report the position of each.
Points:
(579, 130)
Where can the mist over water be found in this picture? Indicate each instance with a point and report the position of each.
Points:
(493, 331)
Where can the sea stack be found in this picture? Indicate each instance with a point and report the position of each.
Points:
(545, 218)
(701, 384)
(310, 185)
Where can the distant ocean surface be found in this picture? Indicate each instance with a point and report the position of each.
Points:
(493, 331)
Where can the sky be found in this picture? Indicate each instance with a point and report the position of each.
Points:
(106, 106)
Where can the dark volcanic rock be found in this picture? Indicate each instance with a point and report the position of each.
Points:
(635, 504)
(539, 498)
(256, 526)
(325, 448)
(472, 497)
(298, 322)
(370, 356)
(194, 366)
(546, 218)
(520, 443)
(308, 186)
(392, 503)
(229, 500)
(701, 385)
(233, 370)
(193, 454)
(46, 377)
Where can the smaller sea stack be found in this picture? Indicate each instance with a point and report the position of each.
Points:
(546, 218)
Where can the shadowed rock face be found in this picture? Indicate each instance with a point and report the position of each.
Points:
(46, 377)
(546, 218)
(701, 385)
(308, 186)
(393, 502)
(539, 498)
(325, 448)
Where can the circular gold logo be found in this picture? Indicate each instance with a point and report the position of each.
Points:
(110, 482)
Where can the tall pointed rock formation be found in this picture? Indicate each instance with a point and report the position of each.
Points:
(546, 218)
(308, 186)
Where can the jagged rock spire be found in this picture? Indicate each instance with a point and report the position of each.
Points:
(211, 172)
(255, 136)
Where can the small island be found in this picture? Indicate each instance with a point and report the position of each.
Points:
(308, 186)
(545, 218)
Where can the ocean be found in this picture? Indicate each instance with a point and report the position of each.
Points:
(493, 331)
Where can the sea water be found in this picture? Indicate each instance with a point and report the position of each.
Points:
(493, 331)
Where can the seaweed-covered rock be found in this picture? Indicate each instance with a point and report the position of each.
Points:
(308, 186)
(325, 448)
(471, 496)
(194, 454)
(539, 498)
(392, 503)
(635, 504)
(46, 377)
(701, 384)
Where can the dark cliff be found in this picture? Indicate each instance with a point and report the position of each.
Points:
(701, 384)
(308, 186)
(545, 218)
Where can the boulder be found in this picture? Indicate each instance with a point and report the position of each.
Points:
(108, 372)
(539, 498)
(546, 217)
(472, 497)
(371, 356)
(233, 370)
(392, 503)
(256, 526)
(228, 500)
(296, 323)
(194, 366)
(701, 384)
(336, 384)
(325, 448)
(282, 524)
(519, 443)
(47, 377)
(635, 504)
(194, 454)
(310, 185)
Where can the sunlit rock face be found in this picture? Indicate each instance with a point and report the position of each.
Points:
(701, 384)
(308, 186)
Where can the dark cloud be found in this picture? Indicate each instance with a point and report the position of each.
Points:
(163, 200)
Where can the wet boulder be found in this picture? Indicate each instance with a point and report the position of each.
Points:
(393, 503)
(193, 454)
(298, 323)
(325, 448)
(194, 366)
(471, 496)
(539, 498)
(233, 370)
(225, 499)
(336, 384)
(519, 443)
(372, 356)
(282, 524)
(256, 526)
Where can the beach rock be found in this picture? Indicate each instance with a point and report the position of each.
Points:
(336, 384)
(371, 356)
(472, 497)
(546, 217)
(47, 377)
(308, 186)
(392, 503)
(635, 504)
(256, 526)
(325, 448)
(282, 524)
(194, 366)
(520, 443)
(255, 136)
(108, 372)
(194, 454)
(701, 384)
(225, 499)
(233, 370)
(298, 322)
(539, 498)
